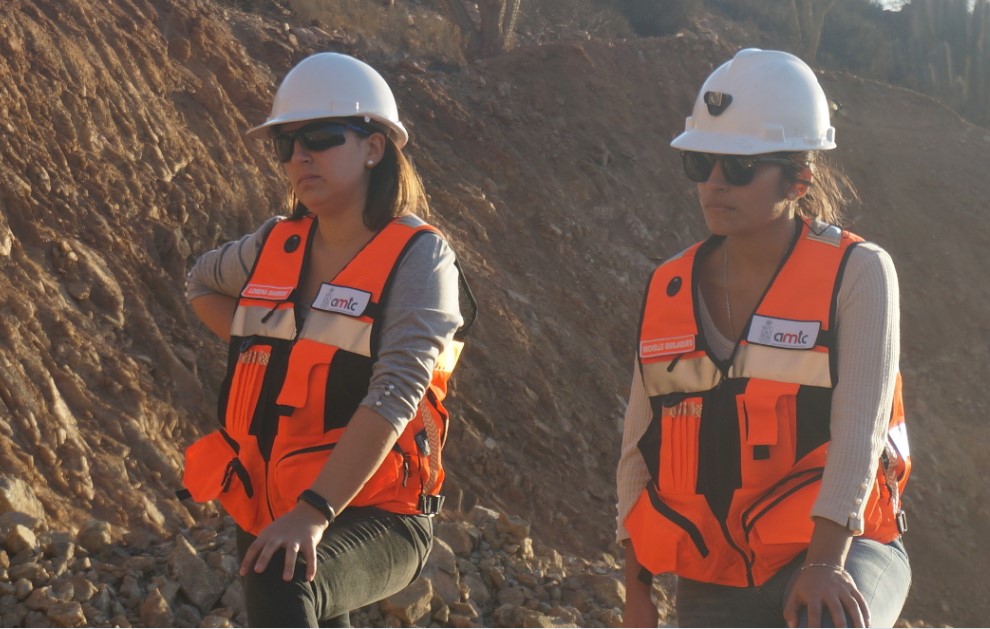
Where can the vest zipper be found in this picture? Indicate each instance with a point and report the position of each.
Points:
(746, 560)
(268, 496)
(319, 448)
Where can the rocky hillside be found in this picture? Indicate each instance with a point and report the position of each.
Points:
(124, 157)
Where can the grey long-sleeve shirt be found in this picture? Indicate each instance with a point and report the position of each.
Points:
(419, 318)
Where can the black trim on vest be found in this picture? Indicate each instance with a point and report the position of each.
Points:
(345, 388)
(833, 355)
(233, 351)
(649, 444)
(266, 418)
(679, 519)
(814, 413)
(467, 304)
(386, 289)
(719, 447)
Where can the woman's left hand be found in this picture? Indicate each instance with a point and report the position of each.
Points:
(298, 532)
(823, 589)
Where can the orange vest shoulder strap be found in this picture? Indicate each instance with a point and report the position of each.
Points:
(279, 265)
(671, 292)
(373, 266)
(805, 287)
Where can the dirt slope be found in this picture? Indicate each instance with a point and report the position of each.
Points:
(548, 167)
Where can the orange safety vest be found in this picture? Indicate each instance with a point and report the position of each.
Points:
(291, 389)
(736, 449)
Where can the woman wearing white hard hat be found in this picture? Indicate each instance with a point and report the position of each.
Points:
(764, 450)
(344, 322)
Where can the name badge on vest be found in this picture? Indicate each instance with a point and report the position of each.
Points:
(783, 332)
(666, 346)
(266, 292)
(341, 299)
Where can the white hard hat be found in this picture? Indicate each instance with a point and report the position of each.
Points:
(760, 101)
(333, 85)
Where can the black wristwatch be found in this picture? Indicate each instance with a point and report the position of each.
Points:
(319, 503)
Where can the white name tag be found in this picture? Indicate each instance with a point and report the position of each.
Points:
(666, 346)
(348, 301)
(263, 291)
(783, 332)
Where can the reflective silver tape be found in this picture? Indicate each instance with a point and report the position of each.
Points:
(806, 367)
(263, 321)
(330, 328)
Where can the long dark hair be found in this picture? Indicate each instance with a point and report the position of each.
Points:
(830, 190)
(395, 188)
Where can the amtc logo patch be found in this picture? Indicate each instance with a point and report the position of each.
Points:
(783, 332)
(342, 299)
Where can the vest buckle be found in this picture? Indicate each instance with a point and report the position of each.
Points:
(902, 525)
(430, 505)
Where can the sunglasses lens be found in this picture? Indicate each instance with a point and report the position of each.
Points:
(284, 145)
(323, 138)
(313, 138)
(738, 171)
(698, 166)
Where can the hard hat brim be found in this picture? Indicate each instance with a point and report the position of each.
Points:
(726, 144)
(398, 132)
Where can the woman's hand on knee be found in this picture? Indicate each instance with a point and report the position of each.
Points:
(297, 532)
(824, 589)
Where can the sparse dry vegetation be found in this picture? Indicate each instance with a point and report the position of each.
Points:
(398, 27)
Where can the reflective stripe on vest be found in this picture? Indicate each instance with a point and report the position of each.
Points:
(736, 452)
(290, 392)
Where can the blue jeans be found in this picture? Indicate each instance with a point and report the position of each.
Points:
(881, 572)
(365, 556)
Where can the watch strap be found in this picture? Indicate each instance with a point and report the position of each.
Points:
(319, 503)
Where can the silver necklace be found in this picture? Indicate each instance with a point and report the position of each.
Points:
(725, 284)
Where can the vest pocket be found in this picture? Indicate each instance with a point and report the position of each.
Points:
(245, 387)
(768, 414)
(302, 397)
(680, 424)
(298, 461)
(214, 470)
(778, 525)
(323, 387)
(679, 535)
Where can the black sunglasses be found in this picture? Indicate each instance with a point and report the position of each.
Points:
(738, 170)
(318, 136)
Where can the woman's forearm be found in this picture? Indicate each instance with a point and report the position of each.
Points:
(216, 312)
(360, 451)
(829, 543)
(639, 610)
